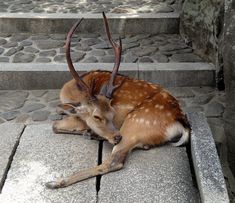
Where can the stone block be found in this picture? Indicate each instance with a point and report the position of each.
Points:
(159, 175)
(43, 156)
(206, 162)
(10, 135)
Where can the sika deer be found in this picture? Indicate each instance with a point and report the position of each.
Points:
(128, 113)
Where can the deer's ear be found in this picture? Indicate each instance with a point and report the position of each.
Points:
(68, 108)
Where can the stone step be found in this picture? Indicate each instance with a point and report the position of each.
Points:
(93, 48)
(93, 23)
(53, 76)
(125, 16)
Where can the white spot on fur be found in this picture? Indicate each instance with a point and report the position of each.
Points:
(146, 110)
(147, 122)
(154, 122)
(168, 113)
(141, 120)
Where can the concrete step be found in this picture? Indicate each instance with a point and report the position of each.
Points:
(93, 23)
(53, 76)
(133, 17)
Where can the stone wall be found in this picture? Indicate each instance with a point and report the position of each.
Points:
(201, 25)
(229, 73)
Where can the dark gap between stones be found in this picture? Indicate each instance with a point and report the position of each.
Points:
(189, 154)
(10, 160)
(98, 178)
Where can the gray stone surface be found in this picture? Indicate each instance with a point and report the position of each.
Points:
(136, 48)
(50, 23)
(32, 107)
(148, 177)
(45, 76)
(43, 156)
(76, 6)
(206, 161)
(10, 134)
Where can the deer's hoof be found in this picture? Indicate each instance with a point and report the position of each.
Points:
(52, 185)
(117, 139)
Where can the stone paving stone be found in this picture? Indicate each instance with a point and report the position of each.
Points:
(10, 115)
(10, 134)
(214, 109)
(148, 177)
(40, 115)
(206, 161)
(32, 107)
(42, 156)
(187, 57)
(13, 100)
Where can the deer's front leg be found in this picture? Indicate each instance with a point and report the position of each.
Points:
(113, 163)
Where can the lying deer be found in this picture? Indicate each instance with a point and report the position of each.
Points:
(128, 113)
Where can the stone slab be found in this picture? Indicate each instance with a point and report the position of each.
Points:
(206, 162)
(93, 23)
(52, 76)
(9, 139)
(42, 156)
(158, 175)
(178, 74)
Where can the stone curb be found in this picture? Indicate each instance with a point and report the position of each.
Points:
(53, 76)
(93, 23)
(206, 162)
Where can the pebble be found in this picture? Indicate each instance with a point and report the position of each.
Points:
(10, 52)
(31, 50)
(32, 107)
(55, 117)
(145, 59)
(49, 44)
(40, 115)
(3, 41)
(23, 58)
(10, 44)
(47, 53)
(214, 109)
(1, 50)
(10, 115)
(43, 60)
(187, 57)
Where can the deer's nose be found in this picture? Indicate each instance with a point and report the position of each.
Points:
(117, 138)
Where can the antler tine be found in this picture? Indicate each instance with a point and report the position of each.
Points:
(80, 82)
(118, 51)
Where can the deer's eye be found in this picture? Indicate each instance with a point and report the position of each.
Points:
(97, 118)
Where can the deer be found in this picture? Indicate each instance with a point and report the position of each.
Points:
(128, 113)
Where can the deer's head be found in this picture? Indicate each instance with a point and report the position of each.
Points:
(95, 110)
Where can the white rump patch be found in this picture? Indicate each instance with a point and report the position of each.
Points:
(177, 129)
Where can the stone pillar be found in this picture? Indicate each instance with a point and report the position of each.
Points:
(229, 75)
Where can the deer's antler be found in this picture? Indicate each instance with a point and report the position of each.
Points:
(80, 83)
(110, 87)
